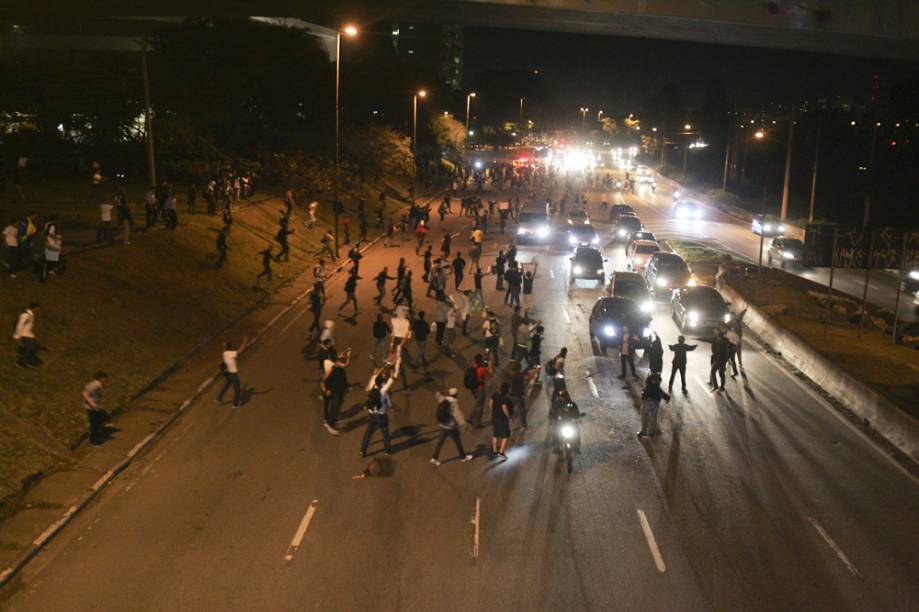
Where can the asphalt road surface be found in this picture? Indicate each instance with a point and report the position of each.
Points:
(758, 499)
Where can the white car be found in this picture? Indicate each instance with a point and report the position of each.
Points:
(639, 254)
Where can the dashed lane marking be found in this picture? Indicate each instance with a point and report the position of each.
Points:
(592, 385)
(476, 521)
(703, 385)
(652, 543)
(832, 544)
(301, 531)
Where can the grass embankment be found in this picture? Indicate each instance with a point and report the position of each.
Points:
(129, 310)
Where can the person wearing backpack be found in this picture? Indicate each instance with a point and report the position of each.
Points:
(449, 419)
(377, 405)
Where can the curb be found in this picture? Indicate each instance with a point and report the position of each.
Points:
(8, 573)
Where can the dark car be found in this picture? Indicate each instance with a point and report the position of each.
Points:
(625, 226)
(631, 285)
(610, 315)
(666, 272)
(686, 209)
(767, 226)
(910, 282)
(641, 235)
(617, 210)
(582, 235)
(699, 308)
(786, 251)
(533, 226)
(587, 264)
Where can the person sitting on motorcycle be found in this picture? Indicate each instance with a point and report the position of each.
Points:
(564, 411)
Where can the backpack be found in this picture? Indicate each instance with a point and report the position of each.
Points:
(470, 378)
(444, 412)
(374, 400)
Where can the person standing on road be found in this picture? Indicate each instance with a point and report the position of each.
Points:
(25, 335)
(650, 404)
(656, 354)
(733, 346)
(380, 280)
(230, 369)
(428, 258)
(446, 244)
(381, 331)
(92, 403)
(517, 392)
(266, 266)
(718, 360)
(441, 309)
(679, 351)
(316, 302)
(501, 410)
(421, 328)
(460, 301)
(334, 387)
(283, 232)
(459, 268)
(450, 420)
(491, 330)
(222, 246)
(377, 405)
(354, 254)
(514, 280)
(483, 371)
(534, 355)
(500, 269)
(350, 293)
(628, 344)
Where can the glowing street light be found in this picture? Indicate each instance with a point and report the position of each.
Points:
(421, 94)
(759, 135)
(584, 111)
(351, 32)
(469, 98)
(688, 126)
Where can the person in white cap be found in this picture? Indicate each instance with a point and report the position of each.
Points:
(449, 419)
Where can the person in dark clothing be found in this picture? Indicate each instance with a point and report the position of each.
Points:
(266, 265)
(363, 227)
(656, 355)
(350, 291)
(514, 280)
(354, 254)
(517, 392)
(459, 267)
(501, 410)
(316, 303)
(281, 237)
(192, 198)
(650, 403)
(421, 328)
(445, 245)
(500, 268)
(222, 247)
(378, 409)
(381, 331)
(428, 258)
(679, 351)
(719, 360)
(334, 387)
(380, 280)
(533, 357)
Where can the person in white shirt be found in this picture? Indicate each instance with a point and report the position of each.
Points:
(230, 370)
(11, 247)
(92, 403)
(401, 331)
(378, 405)
(53, 250)
(25, 335)
(105, 221)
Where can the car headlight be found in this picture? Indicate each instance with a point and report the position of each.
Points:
(681, 213)
(609, 330)
(578, 269)
(521, 231)
(697, 214)
(661, 282)
(543, 231)
(572, 240)
(647, 307)
(586, 221)
(595, 240)
(567, 431)
(646, 332)
(727, 318)
(599, 270)
(692, 282)
(788, 255)
(781, 229)
(693, 316)
(768, 227)
(621, 233)
(914, 274)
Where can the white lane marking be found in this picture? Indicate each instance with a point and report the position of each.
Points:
(301, 531)
(703, 385)
(565, 312)
(592, 384)
(832, 544)
(476, 518)
(652, 543)
(832, 410)
(551, 273)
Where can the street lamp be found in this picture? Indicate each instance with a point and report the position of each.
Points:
(469, 98)
(688, 126)
(421, 94)
(348, 30)
(584, 110)
(599, 114)
(521, 109)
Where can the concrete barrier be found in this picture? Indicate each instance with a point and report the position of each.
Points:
(901, 429)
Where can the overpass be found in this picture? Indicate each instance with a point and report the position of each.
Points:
(873, 28)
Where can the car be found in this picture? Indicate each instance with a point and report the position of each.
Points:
(767, 226)
(582, 235)
(631, 285)
(533, 225)
(644, 175)
(666, 272)
(686, 209)
(610, 314)
(625, 226)
(639, 235)
(618, 210)
(587, 264)
(786, 251)
(640, 252)
(699, 308)
(578, 216)
(910, 282)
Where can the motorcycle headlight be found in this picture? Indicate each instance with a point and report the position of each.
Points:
(661, 282)
(567, 431)
(788, 255)
(543, 231)
(692, 282)
(647, 307)
(621, 233)
(677, 193)
(693, 316)
(578, 269)
(609, 330)
(727, 318)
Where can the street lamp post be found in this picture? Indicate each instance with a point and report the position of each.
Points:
(336, 205)
(584, 110)
(421, 93)
(810, 216)
(148, 114)
(521, 109)
(469, 98)
(599, 114)
(787, 185)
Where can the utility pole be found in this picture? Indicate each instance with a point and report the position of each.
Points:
(469, 98)
(685, 158)
(727, 157)
(148, 114)
(521, 110)
(335, 203)
(791, 134)
(810, 216)
(867, 213)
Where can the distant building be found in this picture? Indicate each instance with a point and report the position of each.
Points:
(431, 49)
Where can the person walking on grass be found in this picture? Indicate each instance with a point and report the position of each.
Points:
(650, 404)
(350, 293)
(229, 367)
(222, 246)
(24, 334)
(501, 410)
(266, 266)
(449, 420)
(679, 351)
(326, 248)
(95, 413)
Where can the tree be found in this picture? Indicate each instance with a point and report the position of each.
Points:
(609, 126)
(450, 135)
(376, 150)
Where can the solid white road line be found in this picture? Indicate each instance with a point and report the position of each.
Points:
(565, 312)
(301, 531)
(476, 518)
(592, 384)
(832, 544)
(703, 385)
(652, 543)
